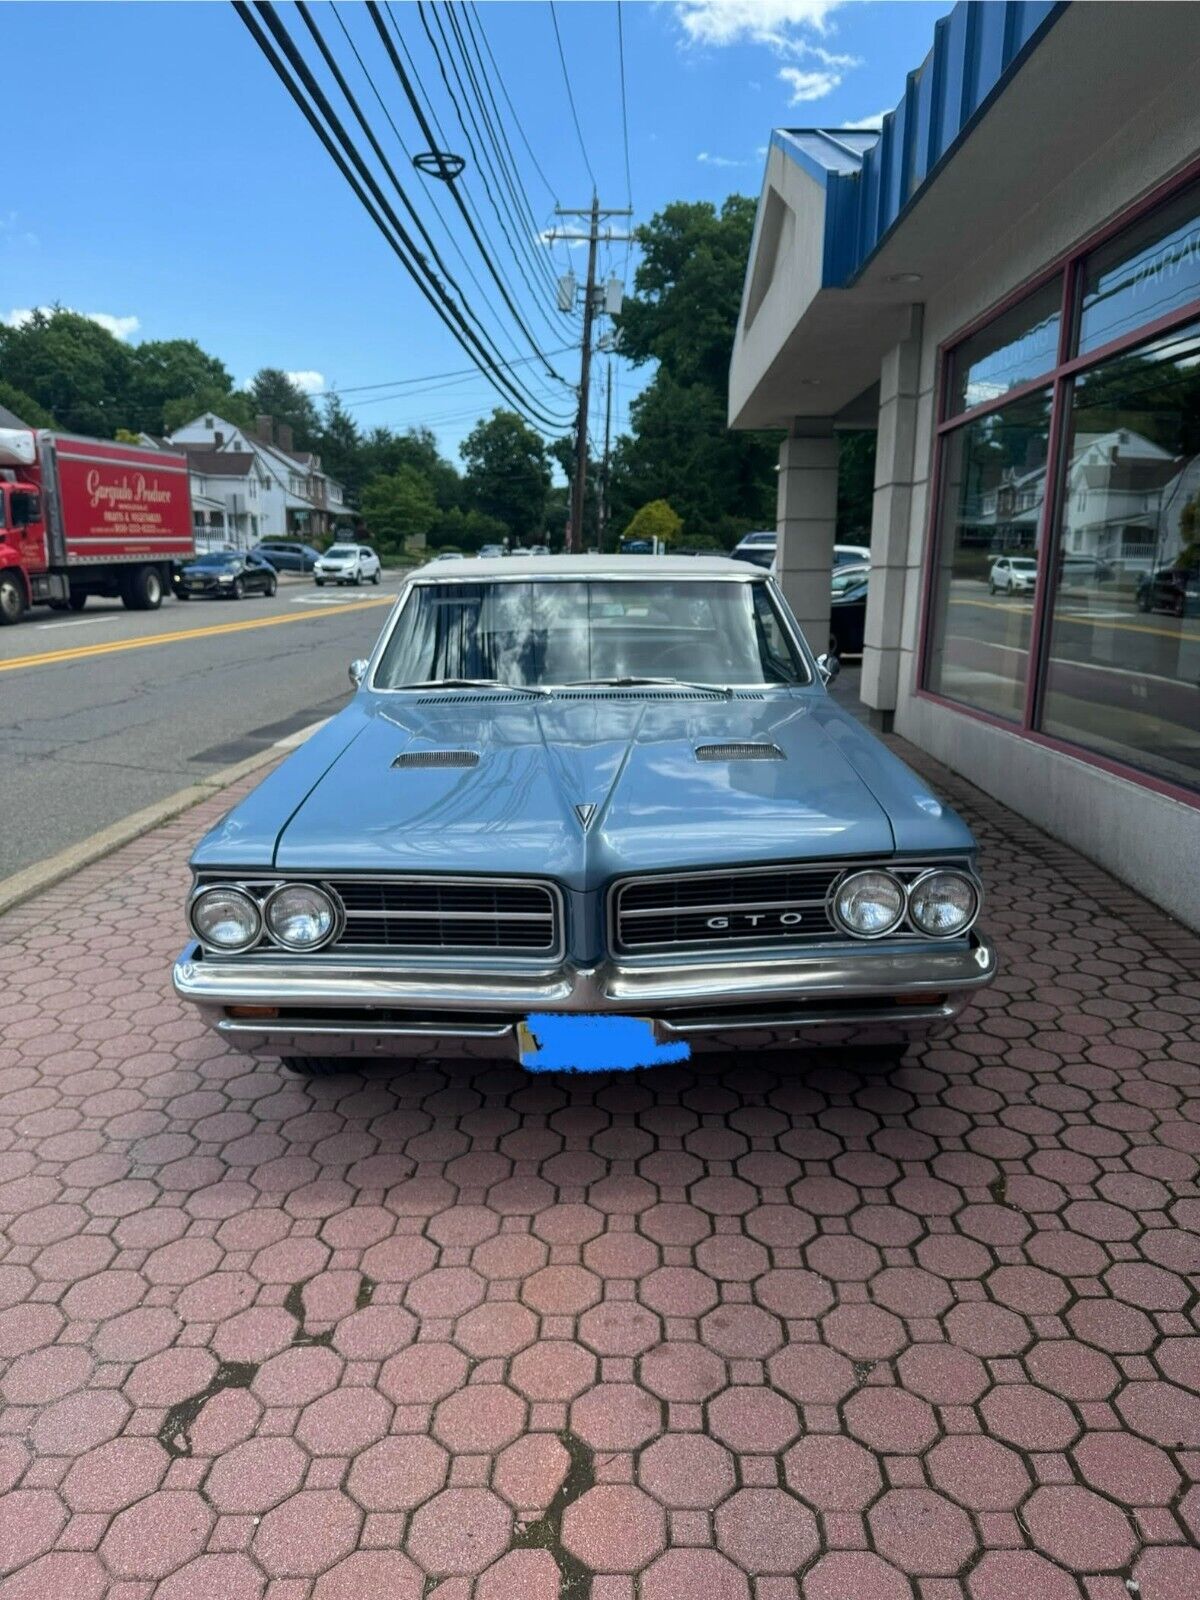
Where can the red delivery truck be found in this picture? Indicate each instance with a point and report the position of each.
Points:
(87, 516)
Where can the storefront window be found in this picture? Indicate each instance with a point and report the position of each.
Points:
(1020, 345)
(1122, 674)
(993, 488)
(1149, 270)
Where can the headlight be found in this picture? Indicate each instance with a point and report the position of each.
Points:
(869, 904)
(942, 904)
(300, 916)
(226, 919)
(225, 578)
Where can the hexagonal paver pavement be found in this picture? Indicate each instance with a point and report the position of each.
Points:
(779, 1328)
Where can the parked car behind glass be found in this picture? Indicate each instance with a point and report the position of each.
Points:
(848, 609)
(1013, 575)
(1175, 589)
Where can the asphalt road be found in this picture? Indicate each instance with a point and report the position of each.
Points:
(108, 711)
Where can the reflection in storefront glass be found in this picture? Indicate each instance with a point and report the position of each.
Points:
(1147, 271)
(993, 487)
(1123, 668)
(1015, 348)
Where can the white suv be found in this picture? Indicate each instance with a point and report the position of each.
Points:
(347, 563)
(1013, 575)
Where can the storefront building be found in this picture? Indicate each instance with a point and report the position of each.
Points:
(1005, 283)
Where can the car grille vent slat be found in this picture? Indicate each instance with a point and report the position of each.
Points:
(466, 916)
(776, 908)
(437, 758)
(739, 752)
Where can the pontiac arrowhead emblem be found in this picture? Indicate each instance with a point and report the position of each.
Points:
(585, 815)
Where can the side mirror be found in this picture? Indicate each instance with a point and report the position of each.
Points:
(358, 671)
(828, 666)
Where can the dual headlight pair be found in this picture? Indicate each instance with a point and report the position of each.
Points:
(940, 904)
(297, 916)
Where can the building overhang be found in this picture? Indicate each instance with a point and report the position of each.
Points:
(846, 240)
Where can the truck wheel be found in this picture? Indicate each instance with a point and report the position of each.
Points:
(142, 589)
(77, 602)
(13, 601)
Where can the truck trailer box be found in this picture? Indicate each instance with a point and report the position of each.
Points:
(113, 502)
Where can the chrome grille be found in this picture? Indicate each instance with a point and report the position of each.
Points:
(755, 908)
(470, 916)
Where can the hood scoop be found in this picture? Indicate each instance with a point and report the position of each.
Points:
(734, 751)
(437, 758)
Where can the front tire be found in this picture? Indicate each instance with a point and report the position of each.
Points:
(376, 576)
(272, 587)
(142, 590)
(239, 589)
(320, 582)
(315, 1066)
(77, 602)
(13, 600)
(991, 585)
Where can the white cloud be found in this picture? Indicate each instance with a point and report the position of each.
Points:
(809, 85)
(771, 22)
(119, 327)
(718, 161)
(308, 380)
(874, 121)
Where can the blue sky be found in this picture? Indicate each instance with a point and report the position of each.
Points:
(164, 179)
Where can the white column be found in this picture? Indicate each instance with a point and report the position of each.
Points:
(894, 583)
(806, 522)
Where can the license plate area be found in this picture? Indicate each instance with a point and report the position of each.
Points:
(584, 1042)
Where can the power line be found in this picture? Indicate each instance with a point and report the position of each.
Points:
(478, 22)
(429, 377)
(451, 185)
(624, 105)
(376, 204)
(570, 95)
(499, 181)
(400, 139)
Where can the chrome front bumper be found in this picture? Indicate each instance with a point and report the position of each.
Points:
(332, 1006)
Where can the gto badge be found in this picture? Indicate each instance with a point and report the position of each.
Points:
(786, 919)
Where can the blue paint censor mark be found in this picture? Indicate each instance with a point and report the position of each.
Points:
(553, 1042)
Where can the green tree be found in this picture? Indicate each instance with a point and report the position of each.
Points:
(164, 370)
(398, 507)
(273, 394)
(508, 472)
(655, 520)
(25, 408)
(467, 530)
(856, 486)
(683, 315)
(340, 444)
(71, 367)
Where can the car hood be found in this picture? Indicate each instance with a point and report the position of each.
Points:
(581, 789)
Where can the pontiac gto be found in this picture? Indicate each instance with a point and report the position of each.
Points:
(585, 812)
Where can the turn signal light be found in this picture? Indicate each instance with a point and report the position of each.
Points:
(251, 1011)
(920, 999)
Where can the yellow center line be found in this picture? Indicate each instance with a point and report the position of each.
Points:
(1081, 618)
(115, 646)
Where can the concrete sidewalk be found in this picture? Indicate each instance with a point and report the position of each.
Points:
(771, 1330)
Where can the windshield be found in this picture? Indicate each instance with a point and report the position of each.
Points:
(219, 558)
(1023, 564)
(342, 552)
(538, 633)
(849, 578)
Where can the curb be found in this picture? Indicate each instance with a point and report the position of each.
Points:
(32, 880)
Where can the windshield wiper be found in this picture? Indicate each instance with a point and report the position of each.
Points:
(473, 683)
(648, 683)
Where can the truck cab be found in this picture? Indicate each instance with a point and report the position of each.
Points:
(22, 545)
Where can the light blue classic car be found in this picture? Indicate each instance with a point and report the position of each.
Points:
(585, 812)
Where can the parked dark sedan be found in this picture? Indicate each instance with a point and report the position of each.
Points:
(848, 610)
(227, 574)
(1175, 589)
(288, 555)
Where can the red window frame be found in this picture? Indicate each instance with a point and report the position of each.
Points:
(1070, 264)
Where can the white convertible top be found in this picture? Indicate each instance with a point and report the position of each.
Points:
(471, 569)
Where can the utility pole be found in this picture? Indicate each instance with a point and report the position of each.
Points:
(594, 214)
(603, 528)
